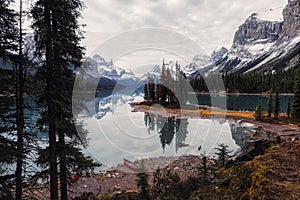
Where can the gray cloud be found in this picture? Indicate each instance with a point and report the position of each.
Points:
(210, 23)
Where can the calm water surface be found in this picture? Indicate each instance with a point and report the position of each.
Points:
(116, 132)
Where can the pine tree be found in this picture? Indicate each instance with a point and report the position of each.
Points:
(258, 112)
(151, 87)
(57, 37)
(270, 105)
(9, 32)
(161, 86)
(12, 118)
(146, 92)
(169, 87)
(19, 93)
(277, 105)
(288, 111)
(296, 99)
(204, 167)
(142, 183)
(223, 154)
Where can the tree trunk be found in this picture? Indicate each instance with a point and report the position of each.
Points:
(20, 112)
(63, 168)
(50, 101)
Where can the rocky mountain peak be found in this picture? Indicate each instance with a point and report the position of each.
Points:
(257, 30)
(291, 16)
(218, 54)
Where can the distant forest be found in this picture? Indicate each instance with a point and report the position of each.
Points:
(255, 82)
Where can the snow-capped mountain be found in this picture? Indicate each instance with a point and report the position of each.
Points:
(218, 54)
(262, 45)
(199, 62)
(97, 68)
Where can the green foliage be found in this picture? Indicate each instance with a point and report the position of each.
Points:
(151, 87)
(204, 167)
(270, 104)
(146, 92)
(288, 111)
(296, 99)
(252, 82)
(168, 91)
(57, 36)
(277, 105)
(9, 32)
(162, 184)
(258, 115)
(143, 185)
(223, 154)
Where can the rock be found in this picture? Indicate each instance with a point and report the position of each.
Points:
(291, 17)
(218, 54)
(254, 148)
(254, 29)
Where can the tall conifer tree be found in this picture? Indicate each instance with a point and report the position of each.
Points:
(9, 118)
(277, 105)
(57, 37)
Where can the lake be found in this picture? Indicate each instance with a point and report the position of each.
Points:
(115, 132)
(244, 102)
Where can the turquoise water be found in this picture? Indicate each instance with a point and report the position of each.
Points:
(245, 102)
(115, 132)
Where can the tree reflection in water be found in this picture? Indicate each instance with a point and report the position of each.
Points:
(168, 128)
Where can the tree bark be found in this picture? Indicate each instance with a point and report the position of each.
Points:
(20, 111)
(50, 101)
(63, 168)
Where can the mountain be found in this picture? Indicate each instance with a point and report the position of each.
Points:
(97, 69)
(199, 61)
(261, 45)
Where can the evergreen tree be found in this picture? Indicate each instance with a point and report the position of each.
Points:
(161, 86)
(288, 111)
(270, 105)
(258, 112)
(223, 154)
(169, 87)
(142, 183)
(151, 86)
(146, 92)
(57, 37)
(296, 99)
(183, 87)
(9, 50)
(204, 167)
(19, 96)
(277, 105)
(9, 32)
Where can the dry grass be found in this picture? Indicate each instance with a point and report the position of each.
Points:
(199, 112)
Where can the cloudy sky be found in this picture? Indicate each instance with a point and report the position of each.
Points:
(206, 23)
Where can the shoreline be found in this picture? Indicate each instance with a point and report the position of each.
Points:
(285, 131)
(237, 93)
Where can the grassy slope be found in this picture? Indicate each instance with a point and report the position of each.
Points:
(274, 175)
